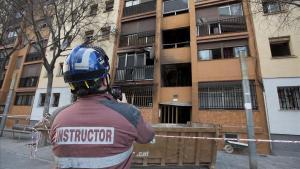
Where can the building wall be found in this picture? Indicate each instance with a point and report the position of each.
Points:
(65, 99)
(281, 121)
(281, 71)
(59, 86)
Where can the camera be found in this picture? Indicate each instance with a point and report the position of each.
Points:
(116, 92)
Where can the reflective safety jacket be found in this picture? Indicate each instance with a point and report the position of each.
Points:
(97, 132)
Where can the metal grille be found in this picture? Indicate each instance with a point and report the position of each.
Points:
(289, 98)
(139, 96)
(224, 95)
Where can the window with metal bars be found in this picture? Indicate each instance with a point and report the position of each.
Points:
(139, 96)
(175, 114)
(24, 99)
(224, 95)
(289, 97)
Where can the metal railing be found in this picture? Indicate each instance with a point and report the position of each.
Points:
(142, 38)
(139, 96)
(176, 45)
(8, 41)
(29, 81)
(140, 8)
(33, 57)
(135, 73)
(220, 26)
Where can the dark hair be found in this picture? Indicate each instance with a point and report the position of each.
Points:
(88, 87)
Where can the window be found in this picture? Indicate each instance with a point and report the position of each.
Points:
(175, 7)
(175, 75)
(224, 95)
(231, 10)
(60, 69)
(289, 97)
(94, 9)
(12, 34)
(222, 53)
(89, 35)
(24, 99)
(280, 47)
(232, 136)
(175, 114)
(139, 96)
(132, 3)
(109, 5)
(135, 66)
(42, 99)
(272, 6)
(105, 32)
(55, 101)
(176, 38)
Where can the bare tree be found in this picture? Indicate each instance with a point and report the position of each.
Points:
(64, 22)
(286, 12)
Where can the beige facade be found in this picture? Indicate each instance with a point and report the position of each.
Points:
(101, 20)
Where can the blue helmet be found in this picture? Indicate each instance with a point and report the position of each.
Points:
(86, 63)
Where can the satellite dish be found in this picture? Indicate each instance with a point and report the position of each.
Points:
(151, 51)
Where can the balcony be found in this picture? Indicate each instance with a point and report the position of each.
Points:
(29, 81)
(8, 41)
(33, 57)
(135, 73)
(140, 8)
(138, 39)
(140, 96)
(221, 26)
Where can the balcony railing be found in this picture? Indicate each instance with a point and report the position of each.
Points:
(221, 26)
(8, 41)
(140, 8)
(176, 45)
(29, 81)
(138, 39)
(135, 73)
(33, 57)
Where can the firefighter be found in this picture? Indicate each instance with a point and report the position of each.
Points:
(96, 131)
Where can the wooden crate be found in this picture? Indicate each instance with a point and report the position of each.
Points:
(178, 151)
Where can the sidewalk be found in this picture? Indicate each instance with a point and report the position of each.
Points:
(15, 154)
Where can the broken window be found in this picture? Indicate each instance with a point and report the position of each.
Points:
(289, 97)
(176, 38)
(175, 114)
(175, 75)
(223, 50)
(135, 66)
(139, 96)
(280, 47)
(224, 95)
(175, 7)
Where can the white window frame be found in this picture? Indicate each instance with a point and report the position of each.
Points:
(132, 3)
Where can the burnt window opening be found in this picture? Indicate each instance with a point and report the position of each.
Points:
(175, 114)
(135, 66)
(176, 75)
(176, 38)
(139, 96)
(175, 7)
(280, 47)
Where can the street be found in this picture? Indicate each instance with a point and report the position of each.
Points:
(16, 154)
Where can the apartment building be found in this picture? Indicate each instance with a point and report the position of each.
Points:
(106, 16)
(279, 54)
(178, 61)
(22, 67)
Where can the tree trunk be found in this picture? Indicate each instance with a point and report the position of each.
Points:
(44, 141)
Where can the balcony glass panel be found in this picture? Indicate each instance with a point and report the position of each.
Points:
(175, 6)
